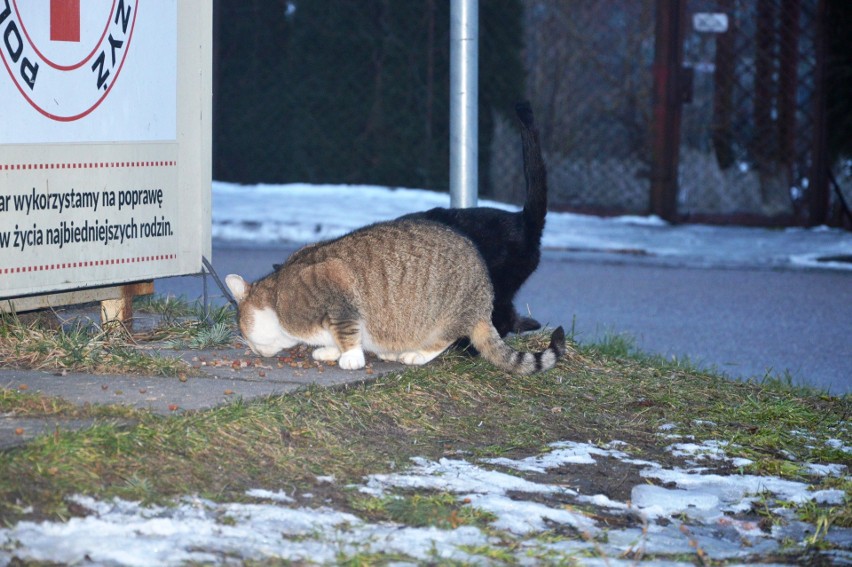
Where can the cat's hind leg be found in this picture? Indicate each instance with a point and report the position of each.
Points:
(420, 357)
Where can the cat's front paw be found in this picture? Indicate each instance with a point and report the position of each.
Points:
(352, 359)
(326, 353)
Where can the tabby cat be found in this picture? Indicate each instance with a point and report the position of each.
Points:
(404, 290)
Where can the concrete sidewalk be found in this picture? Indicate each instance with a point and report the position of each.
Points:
(224, 375)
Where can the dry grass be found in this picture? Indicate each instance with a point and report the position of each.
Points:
(80, 345)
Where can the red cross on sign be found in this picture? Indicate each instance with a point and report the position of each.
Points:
(65, 20)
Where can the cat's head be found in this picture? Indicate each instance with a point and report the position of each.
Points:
(258, 320)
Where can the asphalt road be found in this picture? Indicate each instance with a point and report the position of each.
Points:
(743, 322)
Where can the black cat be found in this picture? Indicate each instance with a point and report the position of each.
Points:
(510, 243)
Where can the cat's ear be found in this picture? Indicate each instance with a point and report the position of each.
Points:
(238, 286)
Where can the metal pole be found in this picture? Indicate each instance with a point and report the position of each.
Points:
(464, 97)
(665, 128)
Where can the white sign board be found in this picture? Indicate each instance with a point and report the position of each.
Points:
(105, 141)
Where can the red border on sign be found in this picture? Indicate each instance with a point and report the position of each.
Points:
(85, 165)
(87, 264)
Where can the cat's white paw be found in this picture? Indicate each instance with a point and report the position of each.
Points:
(326, 353)
(352, 359)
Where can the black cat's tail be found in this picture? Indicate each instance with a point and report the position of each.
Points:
(535, 172)
(491, 347)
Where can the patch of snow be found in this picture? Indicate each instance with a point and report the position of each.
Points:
(833, 497)
(522, 517)
(657, 502)
(603, 501)
(825, 470)
(287, 213)
(269, 495)
(713, 450)
(126, 533)
(650, 220)
(566, 452)
(692, 510)
(802, 434)
(839, 445)
(454, 476)
(719, 542)
(733, 488)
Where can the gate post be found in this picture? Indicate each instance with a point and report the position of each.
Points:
(668, 93)
(818, 192)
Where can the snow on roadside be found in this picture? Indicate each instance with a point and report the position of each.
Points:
(302, 213)
(684, 510)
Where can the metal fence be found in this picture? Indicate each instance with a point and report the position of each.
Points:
(358, 93)
(588, 76)
(752, 130)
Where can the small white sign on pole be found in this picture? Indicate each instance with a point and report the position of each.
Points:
(710, 22)
(105, 142)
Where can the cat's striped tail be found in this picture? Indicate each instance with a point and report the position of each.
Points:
(491, 347)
